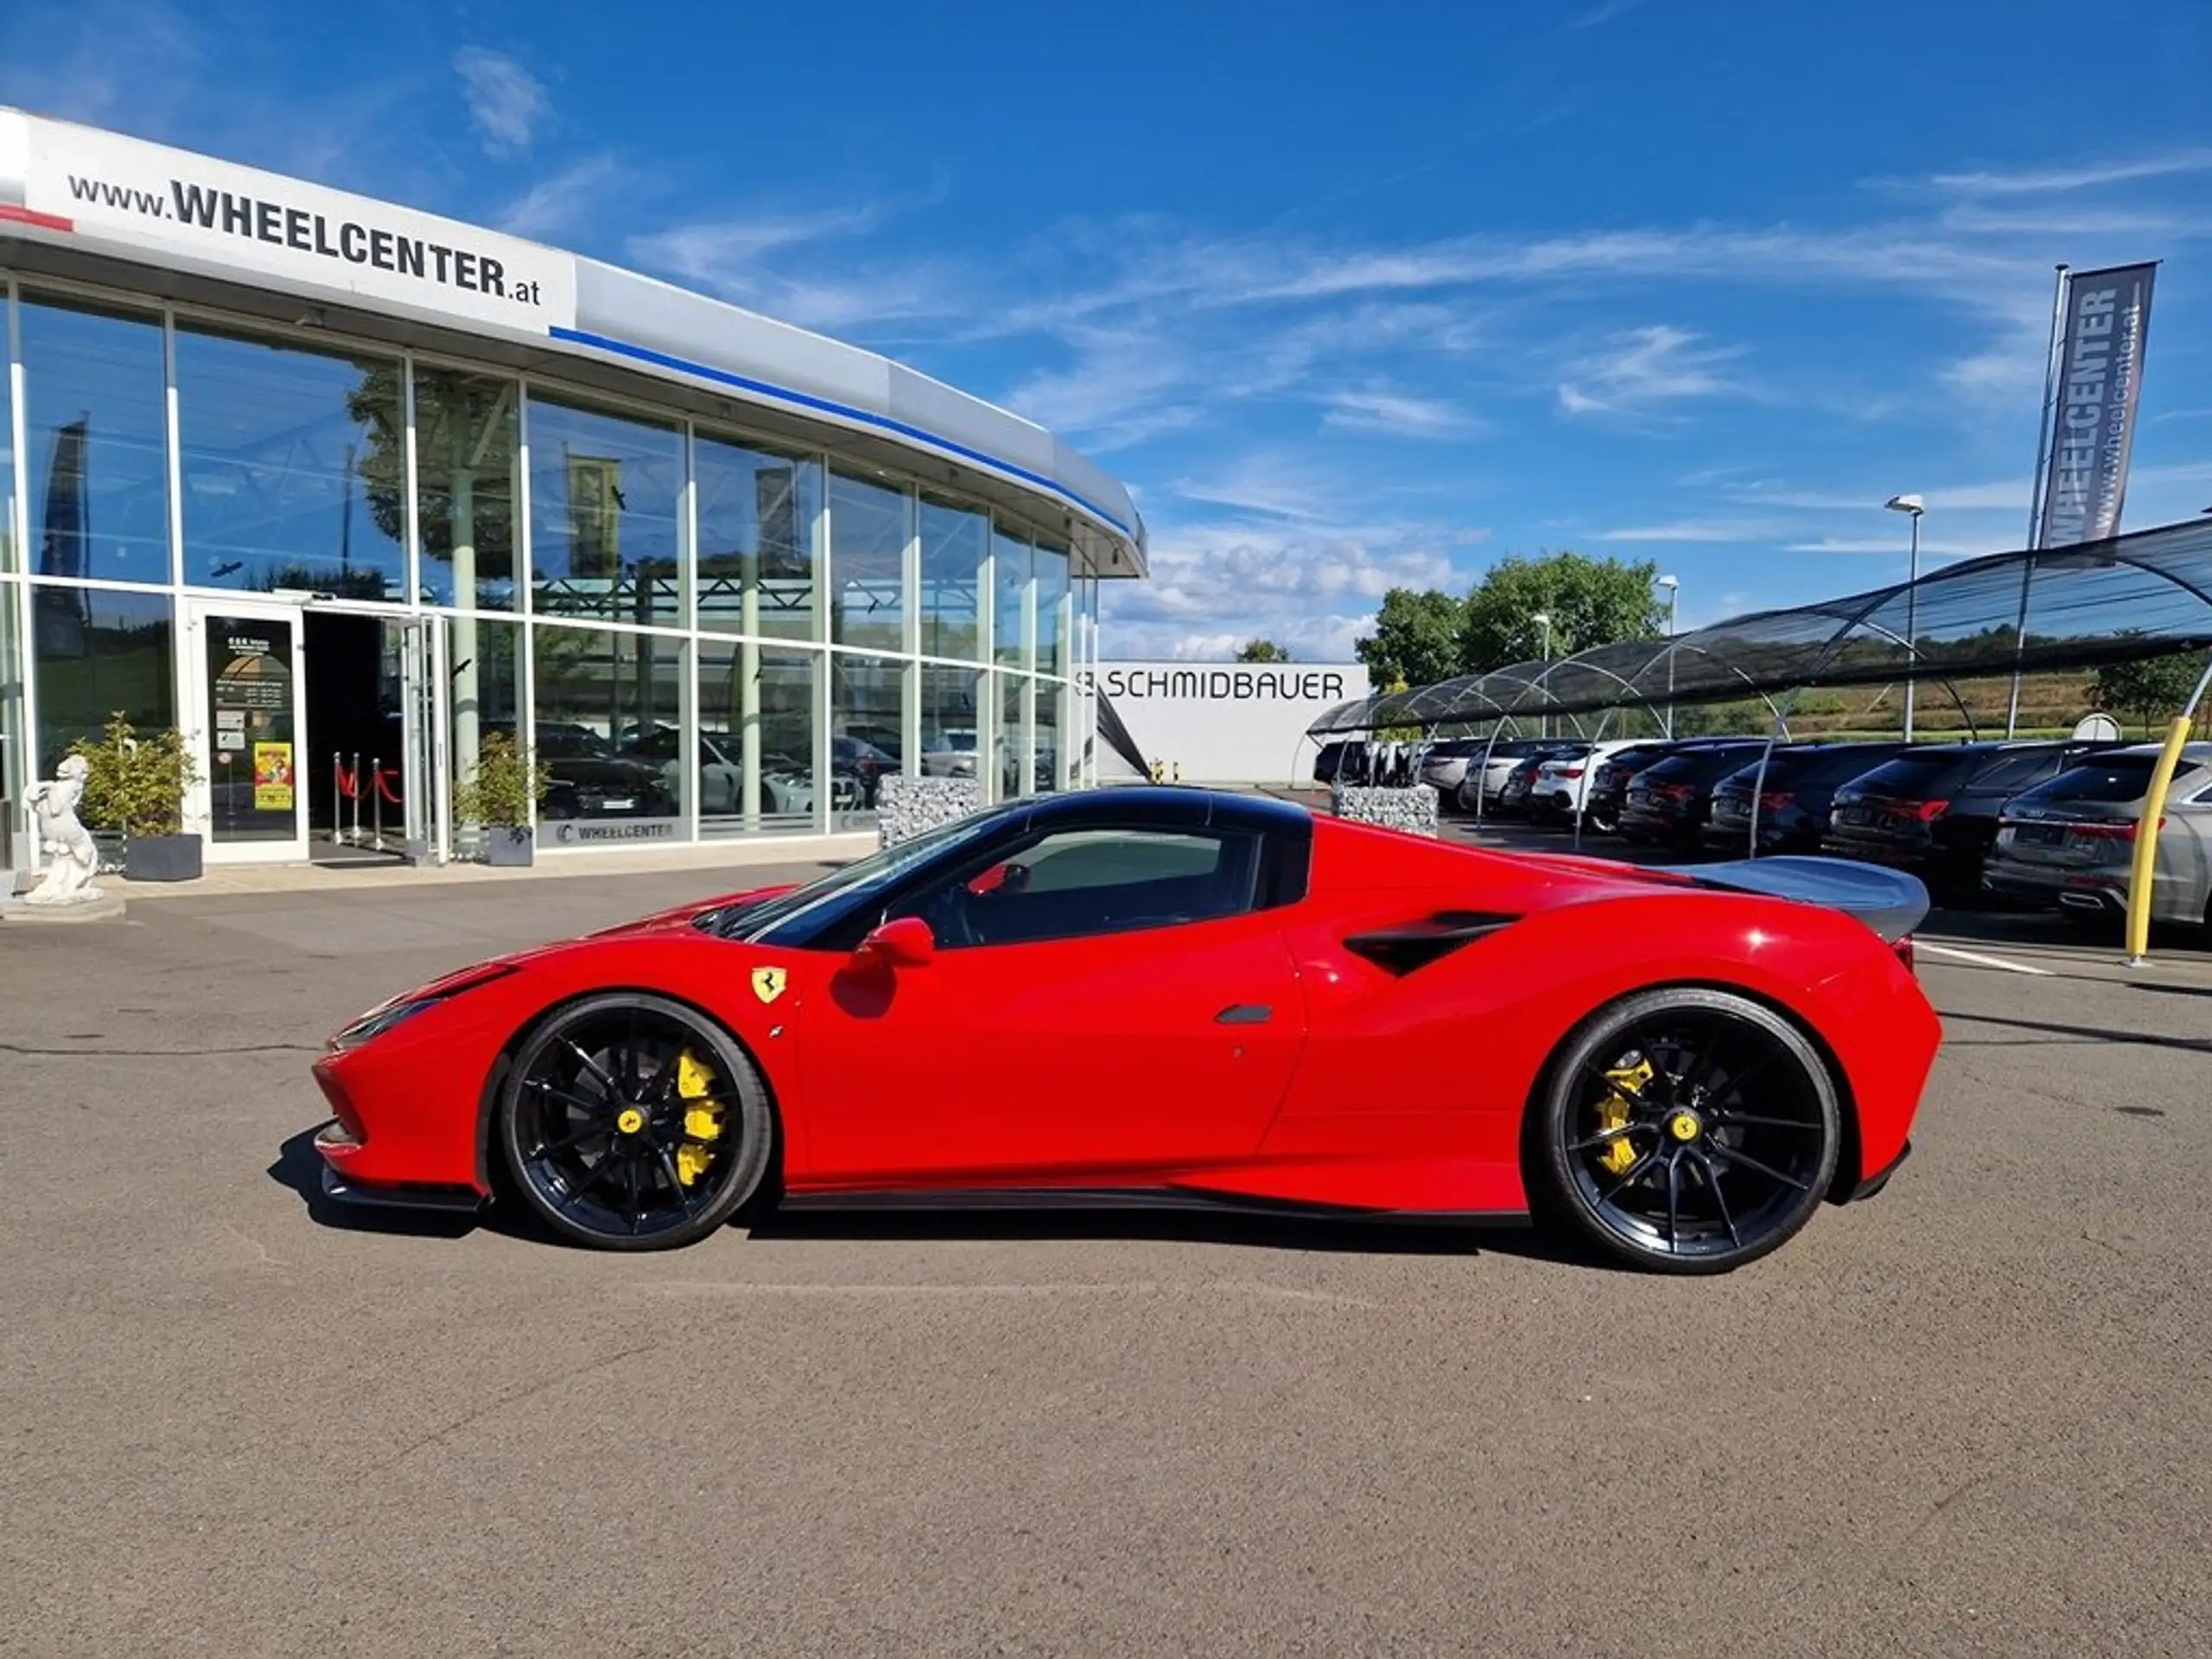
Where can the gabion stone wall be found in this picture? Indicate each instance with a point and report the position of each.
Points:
(1412, 810)
(905, 807)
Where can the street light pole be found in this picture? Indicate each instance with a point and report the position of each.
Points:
(1673, 587)
(1543, 620)
(1912, 506)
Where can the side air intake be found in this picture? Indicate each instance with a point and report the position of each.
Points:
(1401, 949)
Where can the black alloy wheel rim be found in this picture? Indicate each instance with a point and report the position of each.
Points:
(601, 1123)
(1724, 1140)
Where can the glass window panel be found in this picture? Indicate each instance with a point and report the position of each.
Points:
(756, 539)
(96, 416)
(866, 723)
(483, 670)
(604, 499)
(1010, 585)
(1047, 722)
(955, 543)
(98, 651)
(14, 736)
(869, 526)
(294, 467)
(756, 719)
(951, 718)
(607, 709)
(8, 485)
(1010, 744)
(467, 453)
(1051, 589)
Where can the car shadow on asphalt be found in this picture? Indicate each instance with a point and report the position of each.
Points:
(2080, 1033)
(299, 1168)
(1298, 1230)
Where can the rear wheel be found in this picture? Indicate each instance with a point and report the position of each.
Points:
(631, 1122)
(1685, 1131)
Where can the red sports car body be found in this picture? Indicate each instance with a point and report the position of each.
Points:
(1181, 994)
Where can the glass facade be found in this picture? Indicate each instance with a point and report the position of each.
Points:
(698, 632)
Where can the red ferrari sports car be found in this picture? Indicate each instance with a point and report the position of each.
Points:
(1179, 996)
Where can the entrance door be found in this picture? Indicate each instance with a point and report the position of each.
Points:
(416, 646)
(251, 798)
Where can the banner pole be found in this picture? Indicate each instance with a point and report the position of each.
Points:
(2044, 436)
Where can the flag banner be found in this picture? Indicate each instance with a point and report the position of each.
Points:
(2107, 320)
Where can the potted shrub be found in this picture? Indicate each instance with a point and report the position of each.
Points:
(135, 788)
(499, 795)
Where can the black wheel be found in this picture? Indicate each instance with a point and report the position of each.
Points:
(1686, 1131)
(629, 1123)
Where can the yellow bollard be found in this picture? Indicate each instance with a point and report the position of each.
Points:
(2146, 844)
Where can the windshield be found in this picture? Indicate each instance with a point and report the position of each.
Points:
(877, 871)
(1908, 777)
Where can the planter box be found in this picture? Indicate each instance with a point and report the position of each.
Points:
(509, 848)
(162, 858)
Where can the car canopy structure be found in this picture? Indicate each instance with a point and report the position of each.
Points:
(2144, 594)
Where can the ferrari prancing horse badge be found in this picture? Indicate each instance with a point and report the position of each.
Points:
(768, 983)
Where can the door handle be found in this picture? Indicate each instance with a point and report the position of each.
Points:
(1244, 1013)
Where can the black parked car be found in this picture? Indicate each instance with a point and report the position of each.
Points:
(1794, 799)
(1933, 808)
(1668, 802)
(1608, 788)
(1341, 763)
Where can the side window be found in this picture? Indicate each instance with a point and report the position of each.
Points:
(1076, 883)
(2019, 772)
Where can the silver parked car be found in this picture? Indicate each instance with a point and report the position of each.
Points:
(2070, 843)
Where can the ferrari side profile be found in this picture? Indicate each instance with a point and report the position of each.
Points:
(1172, 995)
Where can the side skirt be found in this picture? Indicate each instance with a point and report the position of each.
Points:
(1178, 1201)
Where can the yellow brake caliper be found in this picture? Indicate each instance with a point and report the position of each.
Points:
(1628, 1081)
(702, 1117)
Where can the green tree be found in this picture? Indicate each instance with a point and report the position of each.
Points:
(1416, 639)
(2153, 689)
(1589, 601)
(1262, 651)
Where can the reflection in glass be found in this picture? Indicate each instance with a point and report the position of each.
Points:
(98, 653)
(951, 718)
(483, 658)
(8, 485)
(1009, 600)
(1046, 720)
(756, 539)
(605, 495)
(276, 450)
(608, 718)
(1010, 745)
(15, 737)
(955, 543)
(866, 727)
(1051, 590)
(96, 418)
(756, 737)
(467, 450)
(869, 526)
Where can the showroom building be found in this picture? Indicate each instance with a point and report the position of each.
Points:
(346, 493)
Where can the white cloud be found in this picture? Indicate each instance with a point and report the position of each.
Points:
(564, 202)
(1312, 589)
(1696, 529)
(507, 102)
(2081, 176)
(1396, 413)
(1605, 13)
(1643, 369)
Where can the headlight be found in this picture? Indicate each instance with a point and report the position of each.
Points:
(382, 1018)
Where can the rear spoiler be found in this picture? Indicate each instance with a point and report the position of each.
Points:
(1890, 901)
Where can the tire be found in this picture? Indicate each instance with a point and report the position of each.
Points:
(597, 1123)
(1742, 1171)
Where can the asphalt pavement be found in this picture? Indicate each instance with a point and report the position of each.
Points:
(1968, 1417)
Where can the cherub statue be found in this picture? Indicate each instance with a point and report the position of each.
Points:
(72, 858)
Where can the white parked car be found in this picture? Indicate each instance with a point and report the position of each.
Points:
(1562, 785)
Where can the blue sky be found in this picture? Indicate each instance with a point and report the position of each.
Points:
(1351, 296)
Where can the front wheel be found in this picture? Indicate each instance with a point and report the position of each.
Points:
(631, 1122)
(1685, 1131)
